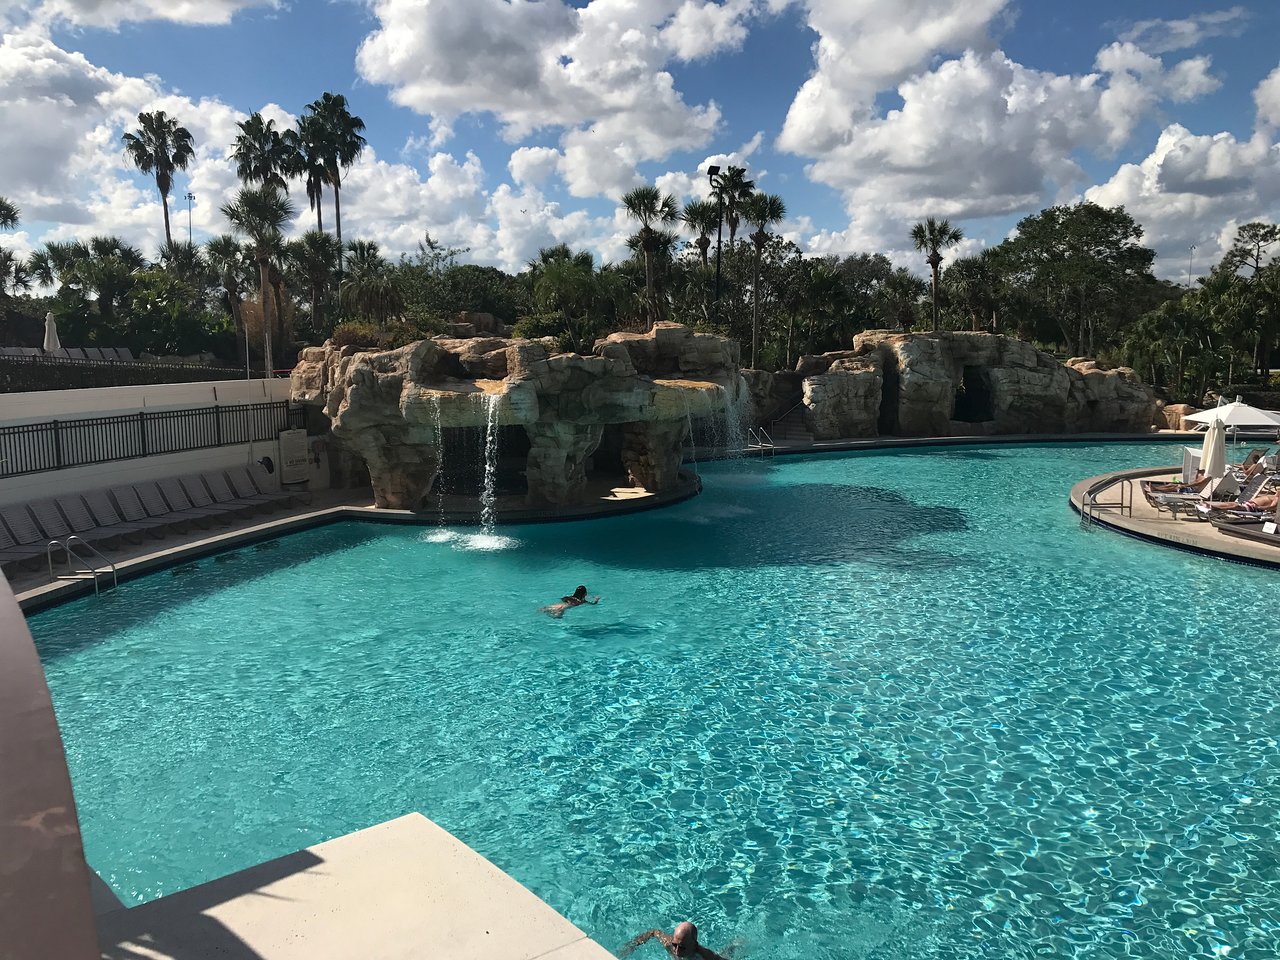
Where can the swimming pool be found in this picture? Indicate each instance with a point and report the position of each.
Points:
(879, 705)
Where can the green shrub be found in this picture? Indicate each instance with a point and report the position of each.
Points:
(539, 325)
(354, 333)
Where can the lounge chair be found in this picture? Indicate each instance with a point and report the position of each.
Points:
(242, 483)
(134, 510)
(154, 503)
(1186, 503)
(75, 353)
(14, 554)
(93, 353)
(82, 521)
(55, 526)
(200, 498)
(222, 493)
(172, 492)
(106, 515)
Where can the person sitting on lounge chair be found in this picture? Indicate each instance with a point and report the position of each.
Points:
(1260, 503)
(1195, 486)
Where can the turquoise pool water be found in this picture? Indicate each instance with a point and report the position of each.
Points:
(889, 705)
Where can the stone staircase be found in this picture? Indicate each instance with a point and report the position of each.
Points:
(790, 429)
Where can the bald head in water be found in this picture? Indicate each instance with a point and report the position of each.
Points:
(685, 939)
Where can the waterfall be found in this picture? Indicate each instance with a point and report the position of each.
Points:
(688, 416)
(737, 413)
(488, 498)
(439, 481)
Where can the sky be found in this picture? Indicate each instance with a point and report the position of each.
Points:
(504, 126)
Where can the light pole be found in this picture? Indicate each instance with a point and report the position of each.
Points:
(190, 196)
(1190, 252)
(717, 181)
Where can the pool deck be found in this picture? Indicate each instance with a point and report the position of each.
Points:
(403, 890)
(1242, 543)
(35, 590)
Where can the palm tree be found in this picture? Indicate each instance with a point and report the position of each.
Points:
(701, 217)
(261, 154)
(650, 207)
(15, 275)
(9, 215)
(313, 257)
(762, 210)
(159, 147)
(934, 236)
(732, 191)
(371, 290)
(337, 134)
(306, 145)
(259, 214)
(187, 262)
(227, 256)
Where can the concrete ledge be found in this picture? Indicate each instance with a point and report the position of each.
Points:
(1194, 536)
(402, 890)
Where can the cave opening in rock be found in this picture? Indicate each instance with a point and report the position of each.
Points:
(974, 403)
(888, 423)
(462, 462)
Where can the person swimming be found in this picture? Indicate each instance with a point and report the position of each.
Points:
(577, 599)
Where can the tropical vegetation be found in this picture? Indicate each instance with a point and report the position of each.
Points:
(1075, 279)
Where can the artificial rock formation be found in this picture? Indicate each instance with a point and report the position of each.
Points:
(391, 407)
(958, 384)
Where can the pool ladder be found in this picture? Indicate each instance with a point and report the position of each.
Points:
(83, 569)
(1090, 505)
(758, 439)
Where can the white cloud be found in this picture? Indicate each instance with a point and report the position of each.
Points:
(1138, 81)
(1165, 36)
(1266, 96)
(598, 74)
(112, 13)
(1194, 189)
(865, 46)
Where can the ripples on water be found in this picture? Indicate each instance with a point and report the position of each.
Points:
(880, 706)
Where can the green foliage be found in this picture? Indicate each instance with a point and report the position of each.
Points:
(356, 333)
(539, 325)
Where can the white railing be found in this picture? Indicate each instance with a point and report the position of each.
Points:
(90, 572)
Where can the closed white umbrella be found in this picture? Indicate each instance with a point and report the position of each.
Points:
(1237, 414)
(1213, 457)
(51, 342)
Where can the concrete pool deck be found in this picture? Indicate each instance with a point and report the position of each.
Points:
(403, 890)
(1181, 532)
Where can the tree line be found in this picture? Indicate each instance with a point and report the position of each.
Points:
(1074, 279)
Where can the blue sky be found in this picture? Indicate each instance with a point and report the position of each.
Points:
(505, 126)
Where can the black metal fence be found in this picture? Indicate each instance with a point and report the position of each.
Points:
(24, 374)
(59, 444)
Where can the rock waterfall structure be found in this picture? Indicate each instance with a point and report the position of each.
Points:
(953, 384)
(391, 408)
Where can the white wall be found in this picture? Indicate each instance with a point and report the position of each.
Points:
(104, 401)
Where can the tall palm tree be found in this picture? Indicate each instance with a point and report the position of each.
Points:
(15, 275)
(9, 215)
(159, 147)
(306, 144)
(935, 236)
(313, 257)
(259, 214)
(227, 256)
(701, 217)
(732, 191)
(650, 208)
(338, 134)
(762, 211)
(261, 154)
(371, 290)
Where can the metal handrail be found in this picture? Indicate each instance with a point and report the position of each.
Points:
(759, 438)
(90, 570)
(1090, 504)
(786, 413)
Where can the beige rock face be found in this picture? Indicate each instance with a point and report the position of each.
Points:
(844, 401)
(389, 407)
(1174, 414)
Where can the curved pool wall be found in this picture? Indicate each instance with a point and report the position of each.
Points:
(876, 704)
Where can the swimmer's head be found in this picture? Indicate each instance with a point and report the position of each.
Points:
(580, 593)
(685, 939)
